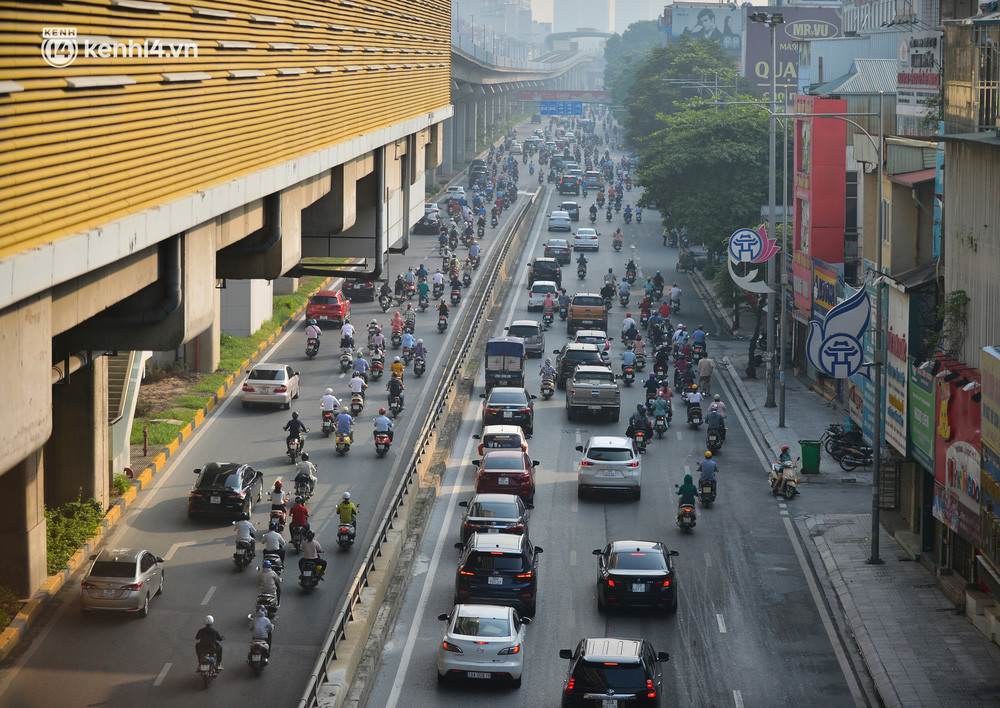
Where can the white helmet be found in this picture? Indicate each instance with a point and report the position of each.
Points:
(209, 620)
(347, 496)
(329, 392)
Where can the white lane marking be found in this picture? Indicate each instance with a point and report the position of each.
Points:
(738, 698)
(572, 557)
(722, 623)
(175, 547)
(679, 436)
(708, 559)
(579, 439)
(208, 595)
(574, 505)
(687, 469)
(343, 374)
(783, 513)
(425, 591)
(163, 674)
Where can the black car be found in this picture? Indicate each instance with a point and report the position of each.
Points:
(607, 671)
(636, 573)
(545, 269)
(359, 290)
(573, 355)
(475, 173)
(571, 208)
(428, 224)
(225, 489)
(498, 569)
(494, 513)
(510, 406)
(536, 118)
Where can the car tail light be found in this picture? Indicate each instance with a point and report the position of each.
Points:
(666, 583)
(465, 572)
(247, 388)
(448, 646)
(569, 687)
(633, 464)
(516, 527)
(524, 410)
(525, 575)
(516, 649)
(491, 410)
(281, 389)
(650, 691)
(241, 495)
(87, 586)
(610, 582)
(132, 586)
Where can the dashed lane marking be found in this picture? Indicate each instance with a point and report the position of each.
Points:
(208, 595)
(163, 674)
(722, 623)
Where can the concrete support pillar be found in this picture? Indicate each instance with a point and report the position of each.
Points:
(22, 526)
(473, 116)
(484, 123)
(461, 122)
(77, 452)
(202, 353)
(246, 305)
(447, 147)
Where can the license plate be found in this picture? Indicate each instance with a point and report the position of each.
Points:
(492, 529)
(503, 480)
(593, 408)
(638, 587)
(202, 667)
(610, 473)
(479, 674)
(323, 317)
(508, 414)
(609, 703)
(494, 581)
(108, 592)
(307, 573)
(256, 657)
(216, 500)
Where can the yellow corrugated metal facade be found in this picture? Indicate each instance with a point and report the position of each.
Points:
(272, 80)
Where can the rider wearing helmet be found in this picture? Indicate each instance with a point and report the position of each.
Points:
(547, 371)
(273, 541)
(329, 403)
(397, 367)
(639, 421)
(295, 428)
(714, 421)
(348, 512)
(209, 641)
(279, 497)
(314, 332)
(306, 472)
(383, 424)
(269, 582)
(419, 350)
(245, 531)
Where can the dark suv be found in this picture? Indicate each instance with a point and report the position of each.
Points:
(498, 569)
(571, 356)
(545, 269)
(620, 672)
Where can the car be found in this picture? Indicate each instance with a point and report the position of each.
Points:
(575, 172)
(537, 132)
(609, 462)
(536, 295)
(558, 248)
(636, 574)
(559, 221)
(270, 384)
(428, 224)
(545, 269)
(431, 208)
(501, 437)
(498, 569)
(593, 180)
(510, 406)
(123, 580)
(536, 118)
(477, 162)
(571, 208)
(609, 668)
(568, 184)
(586, 238)
(506, 472)
(531, 332)
(571, 356)
(482, 642)
(569, 135)
(455, 191)
(515, 148)
(359, 290)
(225, 489)
(329, 307)
(593, 390)
(494, 513)
(475, 173)
(597, 337)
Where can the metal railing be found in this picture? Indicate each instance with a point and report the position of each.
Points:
(477, 313)
(475, 51)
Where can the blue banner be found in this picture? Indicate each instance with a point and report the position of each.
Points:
(578, 108)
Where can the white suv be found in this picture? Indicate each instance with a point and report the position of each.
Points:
(454, 192)
(609, 463)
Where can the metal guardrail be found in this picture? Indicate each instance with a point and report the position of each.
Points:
(477, 312)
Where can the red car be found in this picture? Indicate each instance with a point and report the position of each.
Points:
(329, 307)
(506, 472)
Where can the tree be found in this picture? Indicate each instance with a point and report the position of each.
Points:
(624, 54)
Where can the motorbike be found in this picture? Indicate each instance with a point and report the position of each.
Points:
(395, 406)
(630, 276)
(276, 564)
(293, 449)
(694, 416)
(456, 297)
(302, 490)
(640, 362)
(660, 425)
(278, 519)
(581, 272)
(297, 536)
(466, 280)
(548, 388)
(259, 654)
(442, 323)
(423, 303)
(547, 318)
(381, 443)
(438, 290)
(453, 240)
(207, 668)
(480, 230)
(346, 360)
(628, 375)
(408, 326)
(640, 440)
(593, 218)
(698, 352)
(385, 302)
(618, 205)
(623, 298)
(357, 404)
(312, 347)
(617, 245)
(493, 220)
(343, 444)
(686, 517)
(644, 320)
(396, 339)
(269, 601)
(243, 556)
(714, 443)
(853, 455)
(327, 423)
(607, 215)
(376, 369)
(706, 492)
(658, 292)
(638, 217)
(661, 373)
(407, 355)
(345, 536)
(787, 470)
(675, 305)
(628, 217)
(540, 178)
(309, 575)
(419, 366)
(475, 262)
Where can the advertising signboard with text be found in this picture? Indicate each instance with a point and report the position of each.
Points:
(957, 459)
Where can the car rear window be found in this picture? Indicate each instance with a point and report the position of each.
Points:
(113, 569)
(523, 331)
(504, 463)
(494, 510)
(637, 560)
(577, 355)
(609, 454)
(588, 301)
(501, 440)
(595, 377)
(604, 676)
(506, 397)
(481, 627)
(495, 561)
(592, 340)
(267, 375)
(323, 300)
(219, 480)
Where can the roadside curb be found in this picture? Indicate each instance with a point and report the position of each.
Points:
(19, 626)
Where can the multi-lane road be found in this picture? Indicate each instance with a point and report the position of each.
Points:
(752, 626)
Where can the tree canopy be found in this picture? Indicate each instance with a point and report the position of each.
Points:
(626, 52)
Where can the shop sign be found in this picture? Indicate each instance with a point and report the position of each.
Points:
(802, 278)
(896, 368)
(920, 444)
(824, 288)
(989, 368)
(957, 460)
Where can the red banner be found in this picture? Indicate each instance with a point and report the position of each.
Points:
(585, 96)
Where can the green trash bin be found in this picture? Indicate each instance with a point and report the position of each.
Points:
(810, 456)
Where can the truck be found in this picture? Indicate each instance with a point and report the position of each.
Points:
(593, 390)
(586, 311)
(505, 362)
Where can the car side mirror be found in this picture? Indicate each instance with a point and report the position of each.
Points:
(579, 448)
(528, 506)
(525, 620)
(538, 549)
(443, 616)
(662, 656)
(506, 329)
(197, 471)
(463, 504)
(459, 545)
(677, 486)
(159, 560)
(596, 551)
(93, 556)
(477, 436)
(565, 653)
(533, 397)
(555, 351)
(482, 395)
(296, 373)
(674, 553)
(534, 463)
(477, 462)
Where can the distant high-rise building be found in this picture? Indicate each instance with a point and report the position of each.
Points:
(569, 15)
(629, 11)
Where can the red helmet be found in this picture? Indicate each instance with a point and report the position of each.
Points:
(784, 448)
(628, 314)
(381, 411)
(277, 485)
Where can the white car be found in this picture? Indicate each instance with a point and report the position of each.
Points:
(515, 149)
(609, 462)
(537, 292)
(270, 384)
(569, 135)
(482, 642)
(559, 221)
(431, 208)
(586, 238)
(597, 337)
(454, 192)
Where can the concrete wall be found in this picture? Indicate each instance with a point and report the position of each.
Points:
(245, 306)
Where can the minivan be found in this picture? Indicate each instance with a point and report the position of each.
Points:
(532, 334)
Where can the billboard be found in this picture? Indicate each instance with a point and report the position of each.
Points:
(921, 417)
(897, 368)
(711, 22)
(918, 78)
(582, 96)
(801, 23)
(989, 365)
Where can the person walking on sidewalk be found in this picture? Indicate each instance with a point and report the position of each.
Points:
(705, 368)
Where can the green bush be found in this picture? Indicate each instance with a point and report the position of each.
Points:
(68, 528)
(120, 484)
(708, 271)
(159, 433)
(10, 603)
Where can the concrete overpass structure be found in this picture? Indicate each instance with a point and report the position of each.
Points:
(135, 186)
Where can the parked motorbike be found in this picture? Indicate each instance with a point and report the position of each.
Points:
(308, 575)
(791, 482)
(706, 491)
(853, 455)
(312, 347)
(714, 443)
(381, 443)
(243, 556)
(259, 654)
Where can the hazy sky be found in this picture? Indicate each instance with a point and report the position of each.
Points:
(541, 10)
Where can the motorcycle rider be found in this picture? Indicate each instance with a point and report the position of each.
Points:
(209, 641)
(245, 531)
(456, 283)
(581, 261)
(395, 388)
(674, 293)
(664, 309)
(443, 309)
(721, 406)
(784, 458)
(386, 291)
(299, 515)
(383, 424)
(344, 425)
(474, 250)
(400, 286)
(548, 304)
(306, 472)
(410, 316)
(694, 397)
(421, 271)
(661, 406)
(547, 371)
(397, 322)
(314, 332)
(409, 341)
(467, 269)
(593, 212)
(638, 421)
(347, 335)
(328, 402)
(269, 582)
(419, 350)
(397, 367)
(630, 267)
(273, 541)
(699, 335)
(310, 551)
(438, 278)
(639, 346)
(295, 428)
(708, 469)
(610, 279)
(423, 289)
(687, 493)
(378, 341)
(617, 239)
(357, 385)
(348, 512)
(662, 358)
(361, 364)
(279, 498)
(658, 281)
(261, 628)
(714, 421)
